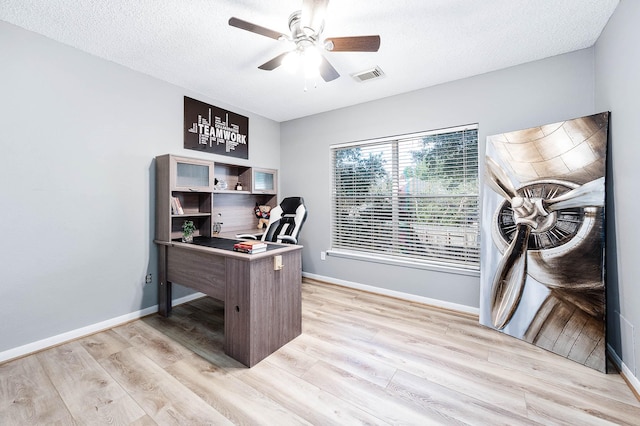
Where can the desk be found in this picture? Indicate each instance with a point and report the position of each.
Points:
(263, 306)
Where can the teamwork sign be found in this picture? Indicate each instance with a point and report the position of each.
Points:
(215, 130)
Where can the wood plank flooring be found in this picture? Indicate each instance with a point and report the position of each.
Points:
(361, 359)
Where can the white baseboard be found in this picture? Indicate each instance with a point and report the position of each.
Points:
(625, 371)
(30, 348)
(397, 294)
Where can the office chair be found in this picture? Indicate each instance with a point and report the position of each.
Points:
(285, 222)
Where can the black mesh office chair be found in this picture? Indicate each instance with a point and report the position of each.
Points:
(285, 222)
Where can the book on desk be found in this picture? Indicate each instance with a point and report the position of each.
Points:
(250, 247)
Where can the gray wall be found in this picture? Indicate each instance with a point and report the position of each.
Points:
(541, 92)
(617, 66)
(77, 140)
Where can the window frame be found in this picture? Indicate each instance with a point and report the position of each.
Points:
(467, 267)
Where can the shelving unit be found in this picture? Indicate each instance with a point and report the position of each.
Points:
(236, 207)
(229, 175)
(193, 182)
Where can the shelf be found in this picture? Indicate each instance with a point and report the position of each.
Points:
(191, 215)
(231, 175)
(230, 191)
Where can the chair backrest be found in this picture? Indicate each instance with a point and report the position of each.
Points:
(286, 220)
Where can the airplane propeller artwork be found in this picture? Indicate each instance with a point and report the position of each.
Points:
(530, 214)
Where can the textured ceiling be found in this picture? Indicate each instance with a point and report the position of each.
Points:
(424, 43)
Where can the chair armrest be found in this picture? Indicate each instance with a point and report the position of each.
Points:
(247, 236)
(287, 239)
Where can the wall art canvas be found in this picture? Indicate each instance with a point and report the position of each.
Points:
(542, 261)
(215, 130)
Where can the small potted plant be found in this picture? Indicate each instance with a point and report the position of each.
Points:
(188, 228)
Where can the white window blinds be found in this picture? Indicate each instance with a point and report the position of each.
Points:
(412, 198)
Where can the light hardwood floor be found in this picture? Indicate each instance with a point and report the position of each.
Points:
(362, 359)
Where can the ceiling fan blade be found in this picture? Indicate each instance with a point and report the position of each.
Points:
(327, 71)
(313, 13)
(353, 44)
(248, 26)
(510, 278)
(273, 63)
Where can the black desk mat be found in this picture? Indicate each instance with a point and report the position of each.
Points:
(223, 243)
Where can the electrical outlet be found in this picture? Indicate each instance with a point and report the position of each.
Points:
(148, 279)
(323, 255)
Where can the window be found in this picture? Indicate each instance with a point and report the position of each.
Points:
(410, 199)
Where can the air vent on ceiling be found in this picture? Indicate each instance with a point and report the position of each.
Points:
(367, 75)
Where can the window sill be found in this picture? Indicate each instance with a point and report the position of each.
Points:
(432, 266)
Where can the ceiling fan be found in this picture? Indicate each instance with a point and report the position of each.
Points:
(306, 28)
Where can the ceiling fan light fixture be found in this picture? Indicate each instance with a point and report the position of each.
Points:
(311, 72)
(311, 57)
(291, 61)
(308, 58)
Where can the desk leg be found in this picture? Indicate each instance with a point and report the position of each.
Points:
(164, 286)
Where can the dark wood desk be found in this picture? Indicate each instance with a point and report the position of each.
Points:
(263, 306)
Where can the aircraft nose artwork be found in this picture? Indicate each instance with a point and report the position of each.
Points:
(548, 229)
